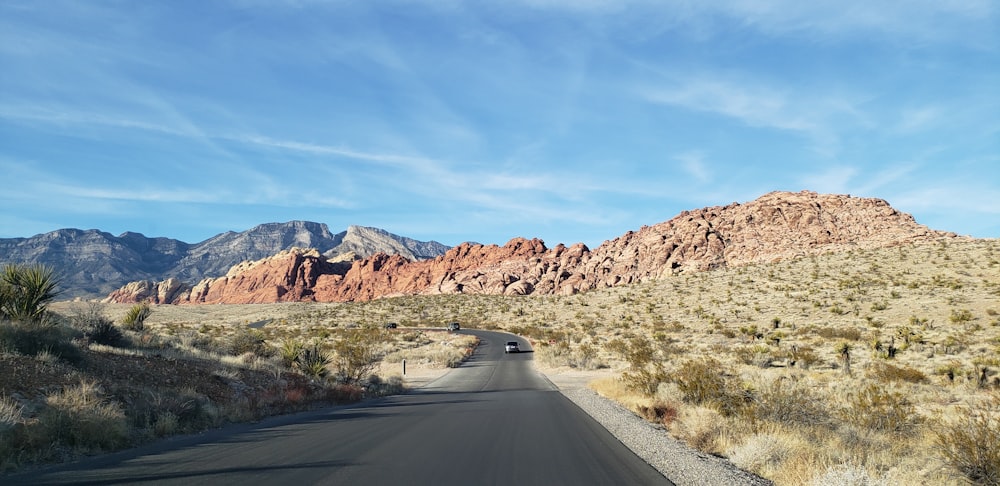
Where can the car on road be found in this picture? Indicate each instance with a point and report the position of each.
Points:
(512, 347)
(391, 325)
(454, 326)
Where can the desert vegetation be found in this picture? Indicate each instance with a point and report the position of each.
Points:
(77, 380)
(861, 367)
(867, 367)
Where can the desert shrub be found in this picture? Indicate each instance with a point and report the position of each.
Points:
(448, 356)
(192, 410)
(960, 316)
(982, 370)
(707, 382)
(847, 475)
(95, 327)
(949, 370)
(557, 354)
(645, 372)
(358, 353)
(165, 424)
(645, 380)
(39, 338)
(849, 334)
(970, 443)
(804, 357)
(196, 340)
(701, 428)
(886, 372)
(659, 412)
(11, 414)
(81, 418)
(247, 340)
(377, 387)
(11, 432)
(585, 358)
(344, 393)
(135, 317)
(788, 403)
(877, 409)
(759, 355)
(759, 452)
(167, 411)
(455, 360)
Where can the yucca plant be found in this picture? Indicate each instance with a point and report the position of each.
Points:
(26, 291)
(289, 351)
(313, 362)
(135, 318)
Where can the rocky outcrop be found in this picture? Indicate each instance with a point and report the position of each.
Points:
(775, 226)
(367, 241)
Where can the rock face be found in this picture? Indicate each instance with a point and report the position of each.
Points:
(93, 263)
(775, 226)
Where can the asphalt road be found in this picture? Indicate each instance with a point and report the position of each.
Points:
(494, 420)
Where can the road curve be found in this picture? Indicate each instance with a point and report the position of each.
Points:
(494, 420)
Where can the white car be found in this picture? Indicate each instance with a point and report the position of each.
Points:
(512, 347)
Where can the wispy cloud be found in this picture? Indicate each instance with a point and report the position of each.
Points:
(693, 163)
(71, 117)
(759, 104)
(918, 119)
(387, 159)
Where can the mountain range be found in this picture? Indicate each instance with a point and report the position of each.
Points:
(93, 263)
(776, 226)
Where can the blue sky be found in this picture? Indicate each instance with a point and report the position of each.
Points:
(571, 121)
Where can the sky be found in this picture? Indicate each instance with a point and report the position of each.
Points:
(570, 121)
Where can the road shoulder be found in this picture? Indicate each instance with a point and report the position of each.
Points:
(679, 463)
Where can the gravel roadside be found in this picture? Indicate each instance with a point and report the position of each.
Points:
(678, 462)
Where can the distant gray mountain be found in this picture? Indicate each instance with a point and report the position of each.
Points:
(93, 263)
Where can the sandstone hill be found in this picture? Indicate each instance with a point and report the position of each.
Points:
(775, 226)
(93, 263)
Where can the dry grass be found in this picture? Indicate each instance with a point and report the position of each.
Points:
(839, 368)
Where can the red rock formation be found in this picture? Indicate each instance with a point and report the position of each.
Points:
(775, 226)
